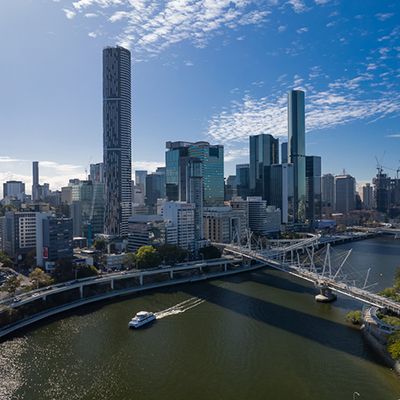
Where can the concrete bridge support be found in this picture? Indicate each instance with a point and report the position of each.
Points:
(325, 295)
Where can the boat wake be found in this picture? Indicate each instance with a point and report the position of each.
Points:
(179, 308)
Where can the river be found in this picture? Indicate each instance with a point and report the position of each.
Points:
(258, 335)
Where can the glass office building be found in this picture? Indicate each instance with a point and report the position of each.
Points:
(264, 151)
(314, 190)
(212, 170)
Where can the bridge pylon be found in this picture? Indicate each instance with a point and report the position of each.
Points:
(326, 294)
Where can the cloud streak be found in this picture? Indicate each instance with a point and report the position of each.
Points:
(156, 25)
(333, 106)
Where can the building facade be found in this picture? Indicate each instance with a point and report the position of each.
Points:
(117, 139)
(313, 189)
(345, 193)
(179, 224)
(211, 158)
(264, 151)
(328, 193)
(53, 240)
(14, 189)
(296, 151)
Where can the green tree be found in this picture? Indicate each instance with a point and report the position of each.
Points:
(39, 278)
(100, 244)
(171, 254)
(129, 260)
(354, 317)
(63, 271)
(5, 260)
(66, 271)
(11, 284)
(85, 271)
(396, 282)
(210, 252)
(147, 257)
(393, 345)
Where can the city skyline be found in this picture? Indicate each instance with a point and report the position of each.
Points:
(248, 100)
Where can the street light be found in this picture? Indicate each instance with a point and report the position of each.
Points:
(355, 394)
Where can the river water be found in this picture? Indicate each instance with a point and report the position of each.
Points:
(258, 335)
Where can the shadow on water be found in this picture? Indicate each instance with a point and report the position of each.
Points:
(322, 331)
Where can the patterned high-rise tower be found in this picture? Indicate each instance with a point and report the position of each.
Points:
(117, 139)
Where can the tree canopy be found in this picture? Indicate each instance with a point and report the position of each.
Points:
(147, 257)
(39, 278)
(171, 254)
(100, 244)
(5, 260)
(11, 285)
(66, 271)
(210, 252)
(129, 260)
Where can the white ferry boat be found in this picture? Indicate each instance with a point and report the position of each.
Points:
(141, 318)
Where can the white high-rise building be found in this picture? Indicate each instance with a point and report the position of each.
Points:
(179, 218)
(262, 219)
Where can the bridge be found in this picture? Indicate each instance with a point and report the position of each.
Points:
(302, 259)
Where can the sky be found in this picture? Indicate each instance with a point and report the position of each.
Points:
(214, 70)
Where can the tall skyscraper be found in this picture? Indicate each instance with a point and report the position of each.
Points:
(345, 197)
(242, 180)
(328, 193)
(279, 180)
(368, 196)
(117, 139)
(140, 180)
(297, 151)
(97, 173)
(264, 151)
(313, 188)
(35, 181)
(284, 153)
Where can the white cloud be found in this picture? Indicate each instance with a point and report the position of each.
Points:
(54, 173)
(298, 6)
(234, 154)
(394, 135)
(302, 30)
(92, 34)
(69, 13)
(321, 2)
(384, 16)
(339, 103)
(155, 25)
(149, 166)
(282, 28)
(7, 159)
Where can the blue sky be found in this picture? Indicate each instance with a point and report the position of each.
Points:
(214, 70)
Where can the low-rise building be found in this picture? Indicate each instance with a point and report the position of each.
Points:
(145, 230)
(224, 224)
